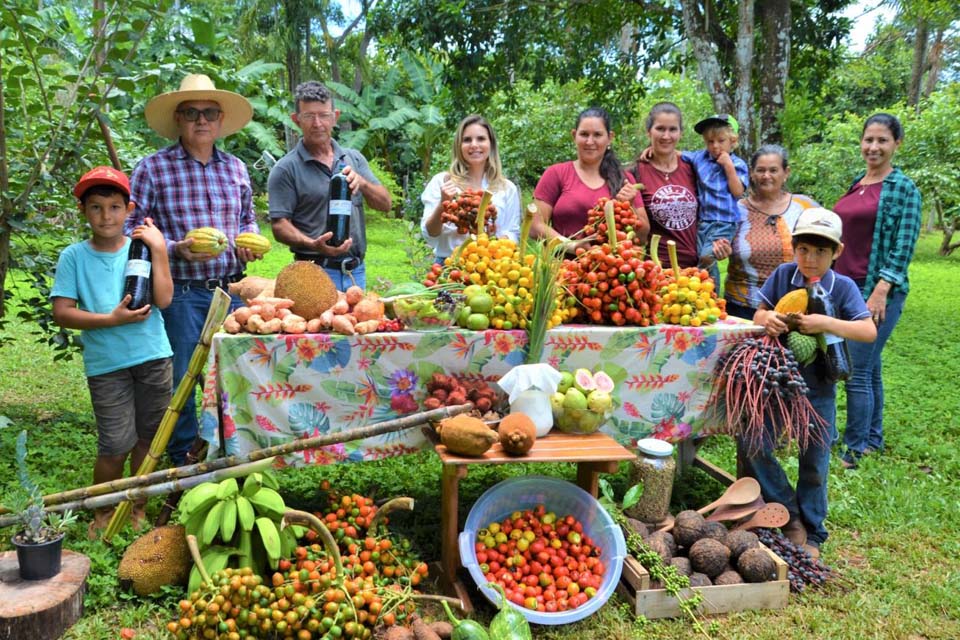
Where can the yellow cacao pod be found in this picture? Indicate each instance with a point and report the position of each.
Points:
(253, 241)
(793, 302)
(208, 240)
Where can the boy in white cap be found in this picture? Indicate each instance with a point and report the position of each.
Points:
(816, 244)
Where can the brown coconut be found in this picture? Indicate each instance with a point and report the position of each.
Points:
(682, 565)
(715, 530)
(728, 577)
(698, 579)
(637, 527)
(688, 528)
(740, 541)
(309, 286)
(663, 544)
(709, 556)
(756, 565)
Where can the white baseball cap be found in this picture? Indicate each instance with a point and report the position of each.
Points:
(818, 221)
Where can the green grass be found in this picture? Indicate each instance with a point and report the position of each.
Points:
(895, 535)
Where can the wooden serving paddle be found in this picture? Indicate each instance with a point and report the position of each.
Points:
(742, 491)
(732, 513)
(772, 516)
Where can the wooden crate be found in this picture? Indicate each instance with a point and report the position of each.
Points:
(656, 603)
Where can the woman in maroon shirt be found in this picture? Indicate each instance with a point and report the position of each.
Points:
(568, 190)
(668, 185)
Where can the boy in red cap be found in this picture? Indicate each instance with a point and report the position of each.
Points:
(126, 355)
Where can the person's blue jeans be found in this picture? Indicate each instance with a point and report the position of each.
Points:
(865, 387)
(707, 232)
(343, 281)
(808, 502)
(740, 311)
(183, 320)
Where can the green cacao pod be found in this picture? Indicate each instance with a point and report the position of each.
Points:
(253, 241)
(804, 347)
(208, 240)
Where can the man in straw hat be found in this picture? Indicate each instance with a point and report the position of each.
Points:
(188, 185)
(299, 189)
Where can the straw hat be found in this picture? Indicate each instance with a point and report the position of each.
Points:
(237, 110)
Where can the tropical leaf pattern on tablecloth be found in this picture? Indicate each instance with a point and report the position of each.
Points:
(275, 389)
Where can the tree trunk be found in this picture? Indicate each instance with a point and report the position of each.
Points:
(934, 64)
(705, 52)
(743, 91)
(775, 21)
(919, 58)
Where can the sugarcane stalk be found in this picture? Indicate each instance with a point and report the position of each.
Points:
(402, 503)
(139, 493)
(611, 224)
(674, 262)
(655, 249)
(528, 214)
(197, 558)
(216, 314)
(482, 210)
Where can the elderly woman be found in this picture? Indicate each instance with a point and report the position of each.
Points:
(669, 185)
(475, 165)
(567, 191)
(881, 223)
(763, 239)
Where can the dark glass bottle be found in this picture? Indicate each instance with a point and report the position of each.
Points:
(136, 275)
(340, 208)
(836, 359)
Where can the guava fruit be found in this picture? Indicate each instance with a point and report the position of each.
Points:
(583, 381)
(556, 403)
(590, 422)
(566, 381)
(603, 382)
(574, 399)
(599, 401)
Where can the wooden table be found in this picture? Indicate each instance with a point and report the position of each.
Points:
(594, 454)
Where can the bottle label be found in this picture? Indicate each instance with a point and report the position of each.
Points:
(829, 338)
(341, 208)
(137, 268)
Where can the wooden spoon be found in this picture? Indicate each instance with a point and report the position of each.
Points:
(742, 491)
(772, 516)
(731, 513)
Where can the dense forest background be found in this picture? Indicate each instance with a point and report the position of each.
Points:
(76, 76)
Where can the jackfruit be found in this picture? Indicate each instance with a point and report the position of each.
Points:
(156, 558)
(309, 286)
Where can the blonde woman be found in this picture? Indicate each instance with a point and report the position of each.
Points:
(475, 165)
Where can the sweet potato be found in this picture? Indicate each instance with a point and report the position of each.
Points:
(341, 307)
(242, 314)
(326, 319)
(353, 295)
(442, 628)
(422, 631)
(283, 313)
(279, 303)
(342, 325)
(230, 324)
(313, 325)
(270, 326)
(253, 323)
(293, 324)
(251, 287)
(267, 311)
(366, 326)
(369, 308)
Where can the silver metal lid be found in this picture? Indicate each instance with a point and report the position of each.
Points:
(655, 447)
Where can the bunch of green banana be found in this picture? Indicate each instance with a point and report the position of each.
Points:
(244, 522)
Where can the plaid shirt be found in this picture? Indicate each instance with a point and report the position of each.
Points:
(181, 194)
(895, 234)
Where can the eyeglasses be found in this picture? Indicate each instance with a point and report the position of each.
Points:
(314, 117)
(210, 114)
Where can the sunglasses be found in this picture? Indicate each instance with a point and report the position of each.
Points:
(210, 114)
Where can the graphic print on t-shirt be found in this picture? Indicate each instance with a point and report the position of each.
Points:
(674, 207)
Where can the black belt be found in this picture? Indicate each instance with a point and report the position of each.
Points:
(210, 284)
(345, 264)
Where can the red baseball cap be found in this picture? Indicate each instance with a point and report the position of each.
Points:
(102, 175)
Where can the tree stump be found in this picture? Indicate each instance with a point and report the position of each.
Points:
(41, 609)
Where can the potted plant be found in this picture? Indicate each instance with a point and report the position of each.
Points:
(39, 541)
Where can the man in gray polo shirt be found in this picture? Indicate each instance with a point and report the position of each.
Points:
(299, 187)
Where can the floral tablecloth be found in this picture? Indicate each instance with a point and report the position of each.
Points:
(273, 389)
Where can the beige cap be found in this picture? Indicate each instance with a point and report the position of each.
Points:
(818, 221)
(237, 110)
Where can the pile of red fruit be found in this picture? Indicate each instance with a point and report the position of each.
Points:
(462, 211)
(614, 285)
(543, 562)
(625, 219)
(389, 324)
(447, 391)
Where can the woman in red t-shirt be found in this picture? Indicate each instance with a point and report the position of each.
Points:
(668, 185)
(567, 191)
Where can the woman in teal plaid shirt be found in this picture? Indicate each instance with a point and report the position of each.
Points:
(881, 223)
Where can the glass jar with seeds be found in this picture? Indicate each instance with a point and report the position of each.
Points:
(654, 469)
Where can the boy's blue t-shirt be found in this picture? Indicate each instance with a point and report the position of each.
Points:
(847, 299)
(95, 280)
(717, 204)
